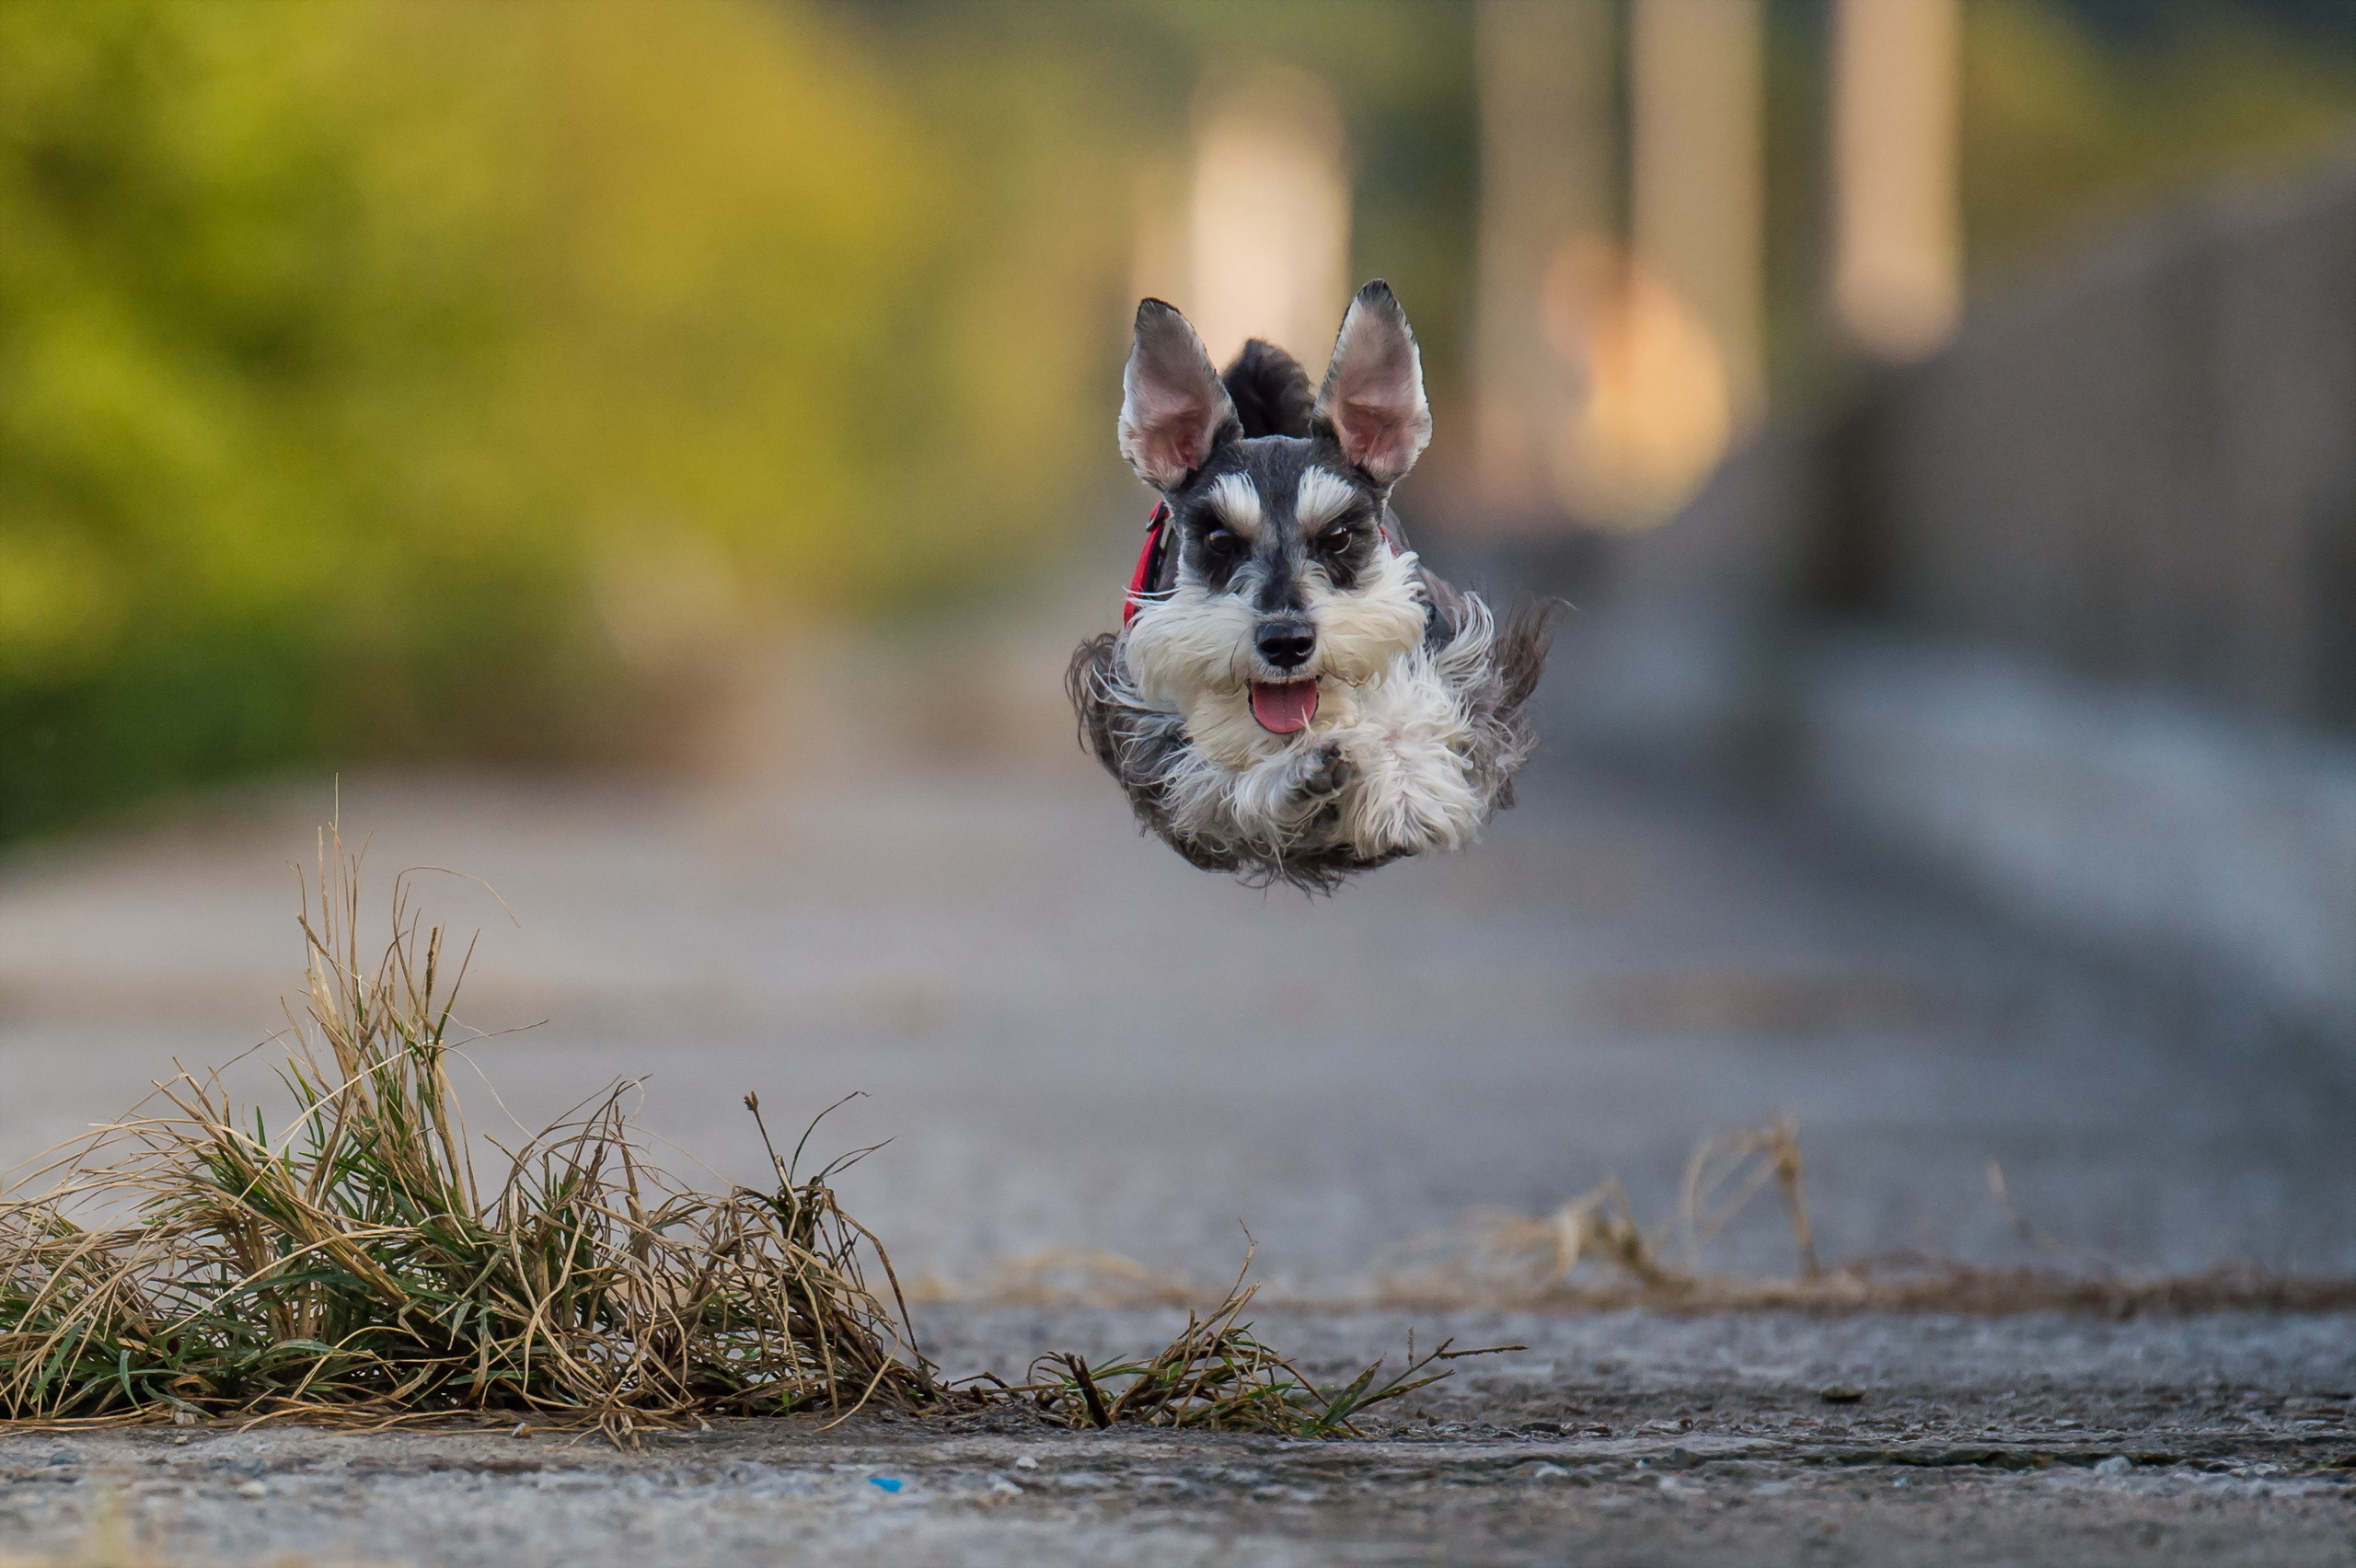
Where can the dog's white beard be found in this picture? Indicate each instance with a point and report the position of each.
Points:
(1399, 714)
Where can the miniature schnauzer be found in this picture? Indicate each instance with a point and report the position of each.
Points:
(1294, 697)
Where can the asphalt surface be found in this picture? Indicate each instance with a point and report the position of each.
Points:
(1074, 1039)
(1616, 1439)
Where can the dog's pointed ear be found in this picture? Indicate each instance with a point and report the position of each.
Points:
(1373, 396)
(1174, 413)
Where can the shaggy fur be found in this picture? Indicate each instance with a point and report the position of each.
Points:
(1287, 566)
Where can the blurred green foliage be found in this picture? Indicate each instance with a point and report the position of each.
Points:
(432, 378)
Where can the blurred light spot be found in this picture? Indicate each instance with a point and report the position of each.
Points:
(1655, 414)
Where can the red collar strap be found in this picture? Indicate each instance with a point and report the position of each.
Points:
(1149, 562)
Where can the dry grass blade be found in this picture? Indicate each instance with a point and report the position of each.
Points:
(349, 1267)
(1726, 1172)
(1591, 1254)
(1217, 1377)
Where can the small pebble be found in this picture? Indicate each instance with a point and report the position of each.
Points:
(253, 1489)
(1004, 1488)
(1840, 1393)
(1026, 1462)
(2118, 1464)
(1548, 1473)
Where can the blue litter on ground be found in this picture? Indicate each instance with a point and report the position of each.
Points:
(888, 1482)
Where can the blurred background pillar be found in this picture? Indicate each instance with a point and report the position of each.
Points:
(1695, 160)
(1545, 85)
(1897, 240)
(1269, 216)
(1666, 330)
(1668, 646)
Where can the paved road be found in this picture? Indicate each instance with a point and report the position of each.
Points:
(1613, 1440)
(1073, 1038)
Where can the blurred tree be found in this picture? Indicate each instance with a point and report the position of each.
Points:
(414, 376)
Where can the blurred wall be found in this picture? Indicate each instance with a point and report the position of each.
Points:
(2142, 465)
(2105, 549)
(2063, 610)
(2060, 606)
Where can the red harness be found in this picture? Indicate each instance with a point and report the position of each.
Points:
(1149, 558)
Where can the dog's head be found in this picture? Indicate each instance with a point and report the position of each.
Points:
(1285, 580)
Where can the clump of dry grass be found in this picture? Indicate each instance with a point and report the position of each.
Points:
(350, 1268)
(1592, 1254)
(189, 1264)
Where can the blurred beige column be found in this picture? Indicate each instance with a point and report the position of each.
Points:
(1897, 240)
(1695, 207)
(1546, 143)
(1268, 216)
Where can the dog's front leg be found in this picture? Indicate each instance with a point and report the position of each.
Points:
(1285, 802)
(1415, 793)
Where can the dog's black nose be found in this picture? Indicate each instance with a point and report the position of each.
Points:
(1287, 645)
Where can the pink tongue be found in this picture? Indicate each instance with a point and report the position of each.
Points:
(1282, 709)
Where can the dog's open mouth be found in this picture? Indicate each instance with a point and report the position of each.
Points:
(1284, 708)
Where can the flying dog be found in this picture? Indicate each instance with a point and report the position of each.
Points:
(1293, 697)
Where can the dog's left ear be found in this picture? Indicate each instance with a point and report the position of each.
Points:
(1174, 412)
(1373, 396)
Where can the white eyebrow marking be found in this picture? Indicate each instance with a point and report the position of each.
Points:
(1237, 503)
(1323, 496)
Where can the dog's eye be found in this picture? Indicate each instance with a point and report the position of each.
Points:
(1334, 540)
(1219, 542)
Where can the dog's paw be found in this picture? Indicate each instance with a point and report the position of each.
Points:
(1331, 773)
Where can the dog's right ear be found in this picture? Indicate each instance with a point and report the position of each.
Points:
(1174, 413)
(1373, 396)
